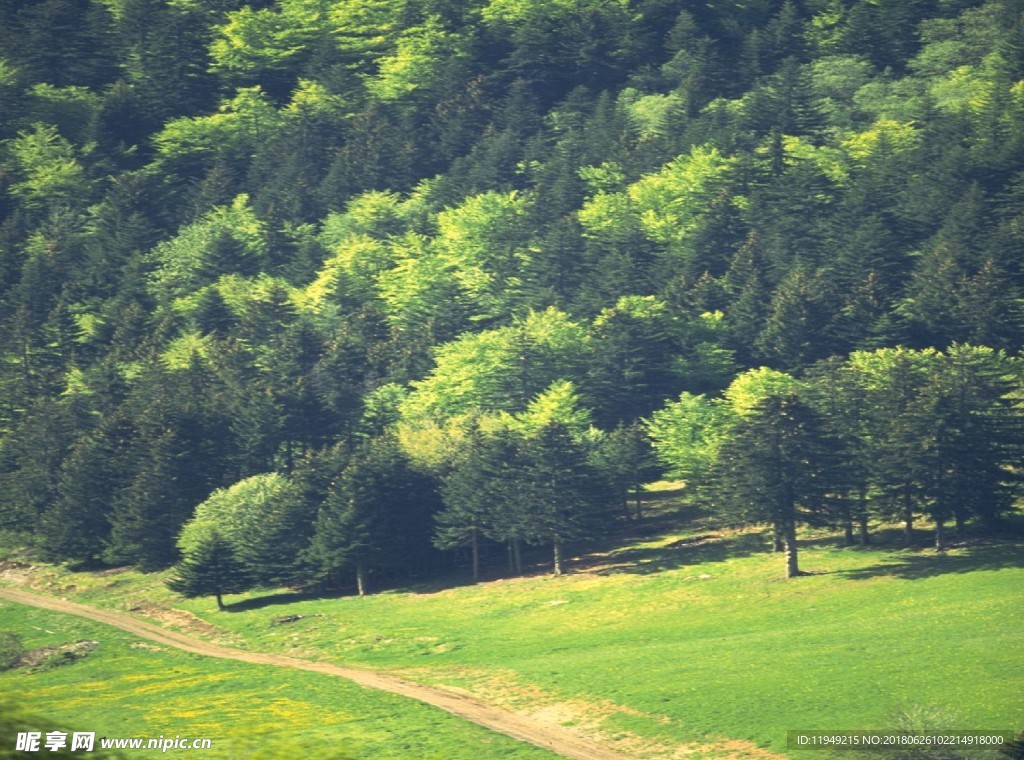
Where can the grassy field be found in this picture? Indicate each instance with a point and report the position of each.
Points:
(130, 688)
(684, 638)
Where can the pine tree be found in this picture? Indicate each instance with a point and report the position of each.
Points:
(183, 452)
(783, 36)
(508, 519)
(625, 460)
(746, 284)
(793, 333)
(31, 458)
(468, 494)
(976, 426)
(778, 468)
(376, 516)
(148, 514)
(212, 568)
(77, 526)
(896, 429)
(835, 394)
(636, 345)
(560, 489)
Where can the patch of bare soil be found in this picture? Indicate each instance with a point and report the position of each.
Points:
(37, 577)
(48, 657)
(146, 645)
(179, 620)
(16, 572)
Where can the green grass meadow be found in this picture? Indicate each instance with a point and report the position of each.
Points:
(130, 688)
(682, 638)
(741, 654)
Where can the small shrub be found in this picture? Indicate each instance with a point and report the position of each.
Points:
(930, 719)
(1015, 749)
(11, 650)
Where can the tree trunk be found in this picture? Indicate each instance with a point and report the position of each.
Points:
(638, 491)
(475, 548)
(792, 567)
(908, 521)
(848, 532)
(864, 538)
(220, 602)
(511, 559)
(940, 534)
(361, 579)
(557, 547)
(517, 554)
(778, 544)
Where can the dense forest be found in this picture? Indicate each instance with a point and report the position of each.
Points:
(328, 291)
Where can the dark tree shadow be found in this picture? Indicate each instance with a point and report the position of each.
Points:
(667, 514)
(682, 553)
(928, 563)
(284, 597)
(458, 579)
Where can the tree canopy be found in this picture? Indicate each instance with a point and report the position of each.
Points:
(293, 273)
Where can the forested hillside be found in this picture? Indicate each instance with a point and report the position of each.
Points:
(326, 291)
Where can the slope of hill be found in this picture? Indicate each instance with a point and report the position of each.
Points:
(682, 639)
(318, 248)
(127, 688)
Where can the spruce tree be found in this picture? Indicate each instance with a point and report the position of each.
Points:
(560, 490)
(832, 390)
(508, 518)
(625, 460)
(901, 432)
(77, 525)
(467, 493)
(975, 424)
(212, 568)
(376, 516)
(777, 468)
(147, 515)
(793, 334)
(636, 346)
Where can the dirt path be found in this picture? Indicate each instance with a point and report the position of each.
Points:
(518, 727)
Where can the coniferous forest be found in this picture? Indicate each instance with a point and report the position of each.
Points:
(336, 292)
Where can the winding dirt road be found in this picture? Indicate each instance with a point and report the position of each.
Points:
(518, 727)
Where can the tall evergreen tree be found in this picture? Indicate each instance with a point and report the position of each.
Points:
(147, 515)
(77, 525)
(636, 348)
(975, 431)
(376, 517)
(625, 460)
(211, 568)
(891, 380)
(561, 490)
(469, 496)
(778, 468)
